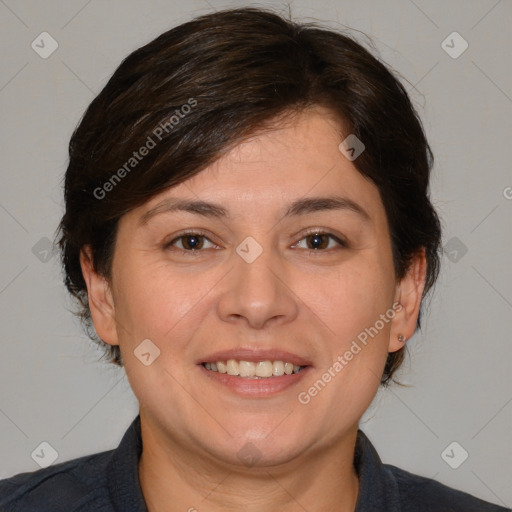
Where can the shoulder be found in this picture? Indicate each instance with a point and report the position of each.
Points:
(421, 494)
(76, 485)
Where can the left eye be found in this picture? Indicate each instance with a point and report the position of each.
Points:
(320, 241)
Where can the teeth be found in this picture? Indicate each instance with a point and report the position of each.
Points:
(278, 368)
(264, 369)
(250, 369)
(246, 368)
(232, 367)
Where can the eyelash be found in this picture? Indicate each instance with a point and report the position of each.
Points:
(199, 233)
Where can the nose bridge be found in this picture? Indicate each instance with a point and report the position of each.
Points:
(257, 291)
(256, 267)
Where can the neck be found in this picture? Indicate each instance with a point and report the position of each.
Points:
(174, 479)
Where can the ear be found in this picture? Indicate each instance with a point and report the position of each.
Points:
(408, 297)
(101, 302)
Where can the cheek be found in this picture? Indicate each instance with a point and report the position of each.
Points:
(355, 343)
(158, 302)
(163, 306)
(351, 305)
(349, 299)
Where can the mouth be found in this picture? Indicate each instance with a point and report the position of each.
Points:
(254, 373)
(265, 369)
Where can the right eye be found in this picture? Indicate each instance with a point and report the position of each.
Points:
(190, 242)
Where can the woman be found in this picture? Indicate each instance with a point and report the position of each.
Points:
(249, 232)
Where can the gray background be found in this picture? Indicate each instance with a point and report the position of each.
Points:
(52, 387)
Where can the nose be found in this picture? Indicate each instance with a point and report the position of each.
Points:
(258, 293)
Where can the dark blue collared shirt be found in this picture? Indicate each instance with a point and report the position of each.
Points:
(109, 481)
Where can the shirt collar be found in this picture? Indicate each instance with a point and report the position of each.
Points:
(123, 472)
(378, 490)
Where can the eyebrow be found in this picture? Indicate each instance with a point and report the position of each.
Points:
(299, 207)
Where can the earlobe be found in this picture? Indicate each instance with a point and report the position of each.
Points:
(101, 303)
(408, 294)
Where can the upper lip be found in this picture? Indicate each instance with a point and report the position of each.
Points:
(255, 355)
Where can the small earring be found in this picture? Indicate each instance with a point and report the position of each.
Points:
(401, 338)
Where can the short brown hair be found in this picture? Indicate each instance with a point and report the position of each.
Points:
(237, 70)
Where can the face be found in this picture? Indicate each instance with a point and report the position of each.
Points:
(292, 264)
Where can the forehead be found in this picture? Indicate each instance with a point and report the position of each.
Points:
(275, 167)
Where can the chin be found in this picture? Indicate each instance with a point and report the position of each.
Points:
(263, 445)
(246, 454)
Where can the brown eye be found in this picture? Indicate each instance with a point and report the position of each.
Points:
(318, 240)
(189, 242)
(192, 242)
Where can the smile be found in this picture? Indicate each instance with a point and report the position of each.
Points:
(253, 369)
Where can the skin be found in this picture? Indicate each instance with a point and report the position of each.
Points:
(312, 303)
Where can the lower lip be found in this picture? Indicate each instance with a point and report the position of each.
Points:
(255, 388)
